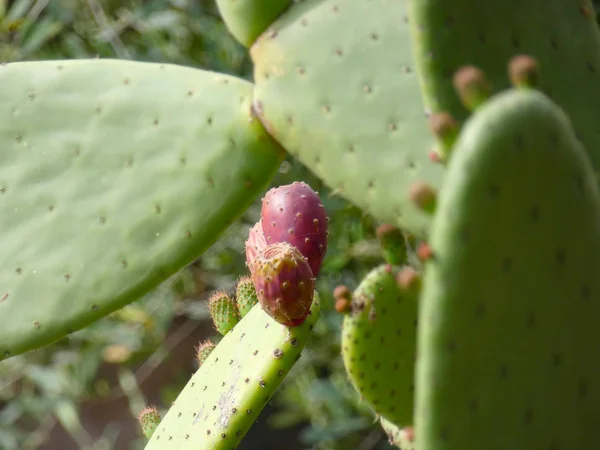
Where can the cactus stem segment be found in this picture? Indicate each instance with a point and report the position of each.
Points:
(223, 311)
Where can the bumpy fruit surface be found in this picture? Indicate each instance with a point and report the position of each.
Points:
(294, 214)
(284, 283)
(255, 244)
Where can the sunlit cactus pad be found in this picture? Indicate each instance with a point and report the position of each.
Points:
(225, 396)
(508, 325)
(114, 175)
(336, 85)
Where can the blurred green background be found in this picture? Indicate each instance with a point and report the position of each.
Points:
(85, 391)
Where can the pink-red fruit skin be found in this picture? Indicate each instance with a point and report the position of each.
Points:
(255, 244)
(294, 214)
(284, 283)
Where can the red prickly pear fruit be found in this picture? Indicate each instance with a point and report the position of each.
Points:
(255, 244)
(294, 214)
(284, 283)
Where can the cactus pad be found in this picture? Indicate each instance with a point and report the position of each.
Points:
(379, 343)
(510, 312)
(113, 176)
(247, 19)
(561, 34)
(336, 86)
(225, 396)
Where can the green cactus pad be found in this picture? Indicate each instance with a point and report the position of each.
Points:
(379, 343)
(510, 308)
(561, 34)
(336, 85)
(113, 176)
(225, 396)
(248, 19)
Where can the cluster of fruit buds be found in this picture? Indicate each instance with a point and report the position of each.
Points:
(285, 251)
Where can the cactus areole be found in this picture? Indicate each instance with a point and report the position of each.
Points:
(294, 214)
(284, 283)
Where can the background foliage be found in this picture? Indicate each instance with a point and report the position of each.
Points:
(85, 391)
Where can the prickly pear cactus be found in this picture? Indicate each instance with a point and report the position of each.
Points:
(562, 35)
(284, 283)
(294, 214)
(149, 420)
(255, 243)
(113, 176)
(511, 296)
(245, 295)
(336, 86)
(225, 396)
(379, 342)
(224, 312)
(247, 19)
(393, 243)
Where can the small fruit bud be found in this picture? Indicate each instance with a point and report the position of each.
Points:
(424, 252)
(245, 295)
(343, 299)
(149, 420)
(343, 305)
(392, 242)
(409, 280)
(524, 72)
(342, 291)
(203, 351)
(424, 197)
(445, 129)
(435, 156)
(223, 311)
(472, 86)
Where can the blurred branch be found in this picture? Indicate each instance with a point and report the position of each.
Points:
(155, 360)
(112, 37)
(40, 435)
